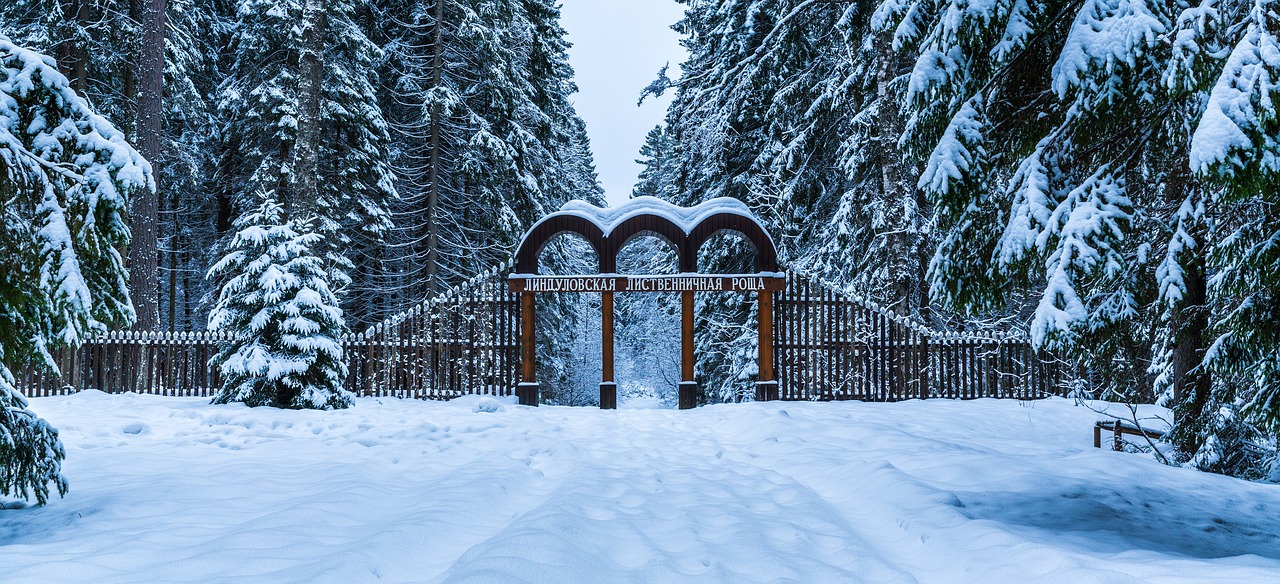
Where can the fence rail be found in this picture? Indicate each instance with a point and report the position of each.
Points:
(829, 345)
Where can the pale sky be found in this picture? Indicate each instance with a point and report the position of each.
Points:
(618, 48)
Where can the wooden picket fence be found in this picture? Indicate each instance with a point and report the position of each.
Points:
(463, 341)
(828, 346)
(164, 363)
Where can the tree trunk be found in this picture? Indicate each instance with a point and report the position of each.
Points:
(433, 172)
(900, 200)
(1188, 351)
(305, 192)
(144, 287)
(73, 57)
(1190, 387)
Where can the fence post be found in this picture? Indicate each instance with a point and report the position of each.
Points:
(924, 362)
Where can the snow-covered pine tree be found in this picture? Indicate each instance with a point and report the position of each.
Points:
(1071, 145)
(199, 30)
(1052, 157)
(96, 44)
(870, 228)
(777, 108)
(486, 139)
(66, 175)
(355, 161)
(285, 323)
(113, 52)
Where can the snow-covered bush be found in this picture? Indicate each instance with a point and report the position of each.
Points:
(66, 175)
(284, 319)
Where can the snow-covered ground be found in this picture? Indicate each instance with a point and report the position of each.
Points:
(176, 490)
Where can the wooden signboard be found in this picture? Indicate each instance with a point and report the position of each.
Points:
(682, 283)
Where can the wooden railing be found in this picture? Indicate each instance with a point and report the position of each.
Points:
(830, 345)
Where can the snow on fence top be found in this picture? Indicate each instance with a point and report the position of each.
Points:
(455, 294)
(909, 321)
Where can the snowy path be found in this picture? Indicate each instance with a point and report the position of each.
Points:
(175, 490)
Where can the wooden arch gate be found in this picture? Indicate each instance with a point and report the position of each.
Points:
(685, 229)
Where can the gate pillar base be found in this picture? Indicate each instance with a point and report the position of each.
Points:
(688, 395)
(608, 395)
(766, 391)
(527, 393)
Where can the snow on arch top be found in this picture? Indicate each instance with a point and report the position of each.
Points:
(686, 218)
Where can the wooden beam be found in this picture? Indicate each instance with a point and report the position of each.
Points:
(527, 391)
(766, 383)
(608, 386)
(688, 387)
(681, 283)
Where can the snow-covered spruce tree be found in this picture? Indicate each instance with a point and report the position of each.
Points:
(486, 143)
(355, 161)
(658, 157)
(66, 175)
(97, 44)
(186, 171)
(1057, 158)
(1236, 145)
(796, 107)
(94, 44)
(300, 120)
(780, 106)
(284, 320)
(486, 139)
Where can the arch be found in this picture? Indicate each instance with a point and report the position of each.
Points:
(555, 224)
(748, 228)
(647, 253)
(657, 226)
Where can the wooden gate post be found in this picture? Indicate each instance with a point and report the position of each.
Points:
(766, 383)
(527, 391)
(688, 387)
(608, 387)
